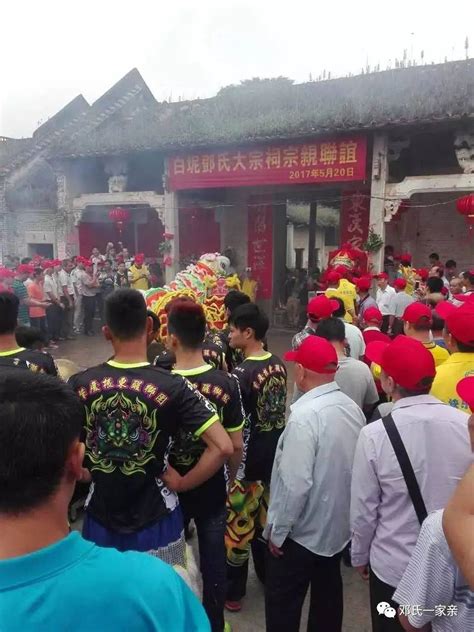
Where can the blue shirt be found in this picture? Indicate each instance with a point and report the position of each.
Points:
(75, 585)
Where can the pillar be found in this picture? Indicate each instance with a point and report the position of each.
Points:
(290, 245)
(378, 183)
(171, 224)
(312, 236)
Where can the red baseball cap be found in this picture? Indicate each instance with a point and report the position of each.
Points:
(315, 354)
(465, 389)
(460, 323)
(465, 298)
(363, 284)
(321, 307)
(333, 277)
(25, 268)
(405, 360)
(423, 273)
(6, 273)
(373, 314)
(417, 312)
(382, 275)
(400, 284)
(405, 258)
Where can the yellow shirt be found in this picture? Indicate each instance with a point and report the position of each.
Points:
(249, 287)
(136, 282)
(346, 291)
(439, 354)
(457, 366)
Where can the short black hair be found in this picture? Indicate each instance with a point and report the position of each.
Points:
(26, 260)
(341, 310)
(423, 324)
(9, 305)
(126, 314)
(434, 255)
(437, 322)
(450, 263)
(235, 299)
(332, 329)
(187, 322)
(30, 337)
(156, 321)
(41, 417)
(252, 317)
(424, 388)
(468, 276)
(435, 284)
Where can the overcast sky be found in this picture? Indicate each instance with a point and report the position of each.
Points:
(50, 51)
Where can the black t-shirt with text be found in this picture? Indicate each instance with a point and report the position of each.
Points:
(133, 413)
(211, 352)
(36, 361)
(222, 391)
(262, 382)
(233, 357)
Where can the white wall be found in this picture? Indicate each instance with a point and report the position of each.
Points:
(24, 226)
(300, 240)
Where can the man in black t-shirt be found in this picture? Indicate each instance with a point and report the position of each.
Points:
(11, 355)
(206, 503)
(262, 379)
(134, 411)
(232, 301)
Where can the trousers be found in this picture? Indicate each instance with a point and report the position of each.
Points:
(247, 505)
(288, 580)
(380, 591)
(54, 315)
(89, 303)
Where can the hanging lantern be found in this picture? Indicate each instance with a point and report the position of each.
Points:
(119, 216)
(465, 205)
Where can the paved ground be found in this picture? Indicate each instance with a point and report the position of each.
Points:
(89, 351)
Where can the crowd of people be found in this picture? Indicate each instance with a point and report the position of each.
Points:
(373, 465)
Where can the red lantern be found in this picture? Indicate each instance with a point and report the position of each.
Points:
(465, 205)
(119, 215)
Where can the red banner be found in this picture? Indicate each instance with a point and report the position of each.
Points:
(333, 160)
(260, 247)
(355, 218)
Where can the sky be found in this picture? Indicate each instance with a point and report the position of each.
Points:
(51, 51)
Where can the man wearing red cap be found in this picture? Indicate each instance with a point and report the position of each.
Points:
(383, 297)
(432, 576)
(22, 273)
(139, 273)
(308, 515)
(319, 308)
(340, 287)
(398, 303)
(6, 279)
(54, 312)
(385, 520)
(407, 272)
(459, 338)
(365, 300)
(417, 322)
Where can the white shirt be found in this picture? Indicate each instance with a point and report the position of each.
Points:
(77, 277)
(383, 520)
(51, 286)
(355, 339)
(398, 303)
(383, 299)
(64, 279)
(432, 580)
(311, 477)
(355, 379)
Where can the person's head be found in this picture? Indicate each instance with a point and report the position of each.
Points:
(382, 280)
(340, 312)
(126, 318)
(26, 261)
(112, 254)
(334, 331)
(109, 246)
(458, 326)
(450, 268)
(399, 285)
(248, 273)
(108, 265)
(315, 363)
(6, 277)
(468, 280)
(139, 260)
(89, 267)
(9, 305)
(422, 274)
(23, 271)
(38, 275)
(30, 338)
(437, 326)
(417, 321)
(321, 307)
(248, 325)
(66, 264)
(434, 285)
(373, 317)
(465, 390)
(434, 259)
(95, 252)
(40, 451)
(233, 300)
(122, 268)
(389, 251)
(455, 286)
(436, 271)
(363, 286)
(57, 265)
(155, 327)
(408, 368)
(405, 259)
(333, 278)
(125, 253)
(186, 327)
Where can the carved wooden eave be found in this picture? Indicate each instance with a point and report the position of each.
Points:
(395, 193)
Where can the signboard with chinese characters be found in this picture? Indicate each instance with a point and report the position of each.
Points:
(336, 160)
(355, 218)
(260, 247)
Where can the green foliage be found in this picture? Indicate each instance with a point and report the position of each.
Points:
(374, 242)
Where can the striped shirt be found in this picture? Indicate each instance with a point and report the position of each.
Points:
(20, 291)
(433, 582)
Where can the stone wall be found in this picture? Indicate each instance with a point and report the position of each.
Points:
(29, 226)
